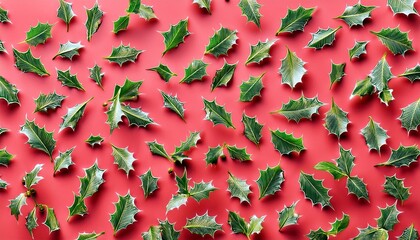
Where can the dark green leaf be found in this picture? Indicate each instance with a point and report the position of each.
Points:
(336, 120)
(371, 233)
(389, 217)
(356, 186)
(173, 103)
(259, 51)
(203, 225)
(222, 41)
(125, 210)
(201, 190)
(96, 74)
(38, 34)
(168, 230)
(375, 136)
(403, 156)
(337, 73)
(323, 37)
(355, 15)
(301, 108)
(89, 236)
(51, 220)
(16, 204)
(136, 116)
(44, 102)
(270, 180)
(65, 12)
(238, 224)
(68, 49)
(203, 4)
(395, 40)
(5, 157)
(158, 149)
(63, 160)
(288, 216)
(121, 23)
(94, 20)
(38, 138)
(123, 158)
(213, 154)
(123, 54)
(152, 234)
(31, 221)
(8, 91)
(31, 179)
(295, 20)
(286, 143)
(363, 87)
(410, 233)
(74, 114)
(175, 35)
(412, 74)
(69, 80)
(148, 183)
(26, 62)
(238, 188)
(223, 75)
(251, 88)
(238, 153)
(251, 10)
(195, 71)
(358, 49)
(94, 139)
(410, 116)
(217, 114)
(314, 190)
(129, 91)
(176, 201)
(252, 128)
(190, 142)
(330, 167)
(164, 72)
(4, 16)
(395, 187)
(115, 112)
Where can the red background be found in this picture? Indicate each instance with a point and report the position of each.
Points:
(57, 191)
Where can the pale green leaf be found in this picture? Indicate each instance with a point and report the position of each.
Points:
(203, 4)
(123, 54)
(203, 225)
(355, 15)
(16, 204)
(89, 236)
(405, 7)
(363, 87)
(164, 72)
(410, 233)
(292, 69)
(238, 188)
(358, 49)
(152, 234)
(51, 220)
(31, 178)
(410, 116)
(115, 112)
(8, 91)
(375, 136)
(63, 160)
(123, 158)
(65, 12)
(238, 224)
(403, 156)
(31, 221)
(96, 74)
(94, 140)
(288, 216)
(69, 49)
(336, 120)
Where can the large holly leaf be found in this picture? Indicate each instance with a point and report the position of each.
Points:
(370, 233)
(63, 160)
(356, 186)
(213, 154)
(190, 142)
(203, 225)
(395, 187)
(129, 90)
(94, 140)
(203, 4)
(4, 16)
(149, 183)
(336, 120)
(65, 12)
(16, 204)
(314, 190)
(96, 74)
(89, 236)
(38, 34)
(410, 233)
(375, 136)
(403, 156)
(270, 180)
(389, 217)
(38, 138)
(121, 23)
(168, 231)
(405, 7)
(201, 190)
(223, 75)
(123, 54)
(239, 225)
(288, 216)
(69, 80)
(217, 114)
(74, 114)
(31, 221)
(412, 74)
(410, 116)
(51, 220)
(358, 49)
(252, 128)
(195, 71)
(260, 51)
(395, 40)
(26, 62)
(337, 73)
(295, 20)
(286, 143)
(94, 20)
(238, 153)
(173, 103)
(381, 74)
(301, 108)
(8, 91)
(251, 10)
(45, 102)
(323, 37)
(175, 35)
(123, 158)
(337, 226)
(152, 234)
(238, 188)
(221, 42)
(136, 116)
(5, 157)
(292, 69)
(125, 210)
(69, 49)
(115, 112)
(164, 72)
(355, 15)
(158, 149)
(251, 88)
(363, 87)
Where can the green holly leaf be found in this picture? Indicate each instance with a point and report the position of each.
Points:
(115, 112)
(164, 72)
(94, 140)
(123, 54)
(175, 35)
(51, 220)
(238, 188)
(168, 231)
(69, 80)
(63, 160)
(314, 190)
(238, 153)
(288, 216)
(358, 49)
(149, 183)
(65, 12)
(375, 136)
(16, 204)
(331, 168)
(412, 74)
(337, 73)
(336, 120)
(410, 233)
(292, 69)
(89, 236)
(125, 210)
(38, 34)
(74, 114)
(123, 158)
(295, 20)
(301, 108)
(129, 91)
(370, 233)
(3, 130)
(395, 187)
(259, 51)
(405, 7)
(158, 149)
(286, 143)
(45, 102)
(69, 49)
(4, 16)
(136, 116)
(146, 12)
(410, 116)
(355, 15)
(363, 87)
(251, 10)
(223, 75)
(213, 154)
(386, 96)
(182, 183)
(96, 74)
(251, 88)
(121, 23)
(403, 156)
(389, 217)
(270, 180)
(203, 225)
(337, 226)
(238, 224)
(5, 157)
(133, 6)
(323, 37)
(152, 234)
(31, 221)
(38, 138)
(222, 41)
(195, 71)
(176, 201)
(94, 20)
(26, 62)
(356, 186)
(201, 190)
(381, 74)
(31, 179)
(203, 4)
(2, 48)
(8, 91)
(78, 207)
(252, 128)
(395, 40)
(346, 161)
(173, 103)
(217, 114)
(190, 142)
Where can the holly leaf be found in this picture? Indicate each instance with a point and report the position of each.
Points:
(363, 87)
(51, 220)
(403, 156)
(38, 138)
(370, 233)
(252, 128)
(292, 69)
(69, 49)
(129, 90)
(286, 143)
(69, 80)
(38, 34)
(381, 74)
(203, 4)
(125, 210)
(63, 160)
(356, 186)
(96, 74)
(121, 23)
(190, 142)
(45, 102)
(164, 72)
(123, 54)
(405, 7)
(146, 12)
(251, 10)
(295, 20)
(168, 231)
(201, 190)
(123, 158)
(148, 183)
(133, 6)
(213, 154)
(410, 116)
(31, 179)
(355, 15)
(410, 233)
(5, 157)
(358, 49)
(203, 225)
(94, 140)
(94, 20)
(26, 62)
(74, 114)
(158, 149)
(16, 205)
(195, 71)
(389, 217)
(301, 108)
(395, 40)
(115, 112)
(2, 48)
(217, 114)
(3, 130)
(251, 88)
(173, 103)
(136, 116)
(223, 75)
(65, 12)
(412, 74)
(337, 226)
(8, 91)
(375, 136)
(31, 221)
(176, 201)
(175, 35)
(395, 187)
(238, 188)
(337, 73)
(331, 168)
(4, 16)
(89, 236)
(336, 120)
(314, 190)
(323, 37)
(152, 234)
(238, 224)
(222, 40)
(270, 180)
(259, 51)
(288, 216)
(238, 153)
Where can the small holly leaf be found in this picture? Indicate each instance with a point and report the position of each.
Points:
(175, 35)
(222, 41)
(375, 136)
(31, 221)
(152, 234)
(363, 87)
(4, 16)
(405, 7)
(5, 157)
(164, 72)
(203, 4)
(78, 207)
(16, 204)
(238, 188)
(386, 96)
(251, 10)
(370, 233)
(94, 20)
(203, 225)
(251, 88)
(356, 186)
(121, 23)
(148, 183)
(286, 143)
(129, 91)
(123, 54)
(410, 233)
(65, 12)
(96, 74)
(331, 168)
(136, 116)
(358, 49)
(314, 190)
(238, 224)
(389, 217)
(63, 160)
(2, 48)
(403, 156)
(223, 75)
(355, 15)
(38, 138)
(217, 114)
(337, 73)
(323, 37)
(252, 128)
(68, 49)
(339, 225)
(301, 108)
(3, 184)
(125, 210)
(412, 74)
(395, 187)
(51, 220)
(176, 201)
(295, 20)
(259, 51)
(270, 180)
(346, 161)
(158, 149)
(8, 91)
(288, 216)
(213, 154)
(182, 183)
(38, 34)
(195, 71)
(74, 114)
(3, 130)
(69, 80)
(201, 190)
(89, 236)
(94, 140)
(168, 231)
(123, 158)
(292, 69)
(410, 116)
(395, 40)
(146, 12)
(173, 103)
(190, 142)
(26, 62)
(381, 74)
(115, 112)
(238, 153)
(336, 120)
(44, 102)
